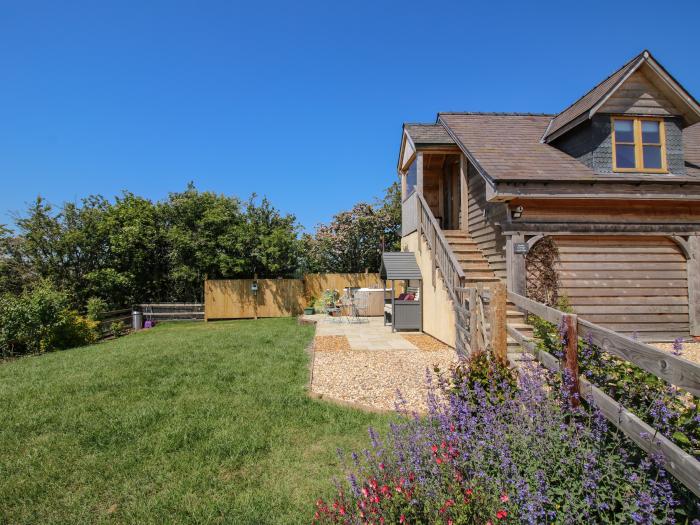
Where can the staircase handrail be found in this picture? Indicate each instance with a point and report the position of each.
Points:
(443, 257)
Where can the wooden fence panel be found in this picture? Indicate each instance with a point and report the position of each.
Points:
(316, 284)
(233, 299)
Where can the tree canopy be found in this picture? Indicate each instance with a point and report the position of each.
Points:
(130, 249)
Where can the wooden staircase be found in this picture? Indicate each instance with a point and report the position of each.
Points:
(477, 270)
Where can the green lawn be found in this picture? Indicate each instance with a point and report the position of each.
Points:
(185, 423)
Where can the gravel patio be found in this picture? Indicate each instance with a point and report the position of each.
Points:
(366, 364)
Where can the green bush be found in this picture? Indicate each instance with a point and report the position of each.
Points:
(41, 320)
(96, 308)
(117, 328)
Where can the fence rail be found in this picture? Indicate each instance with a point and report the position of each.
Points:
(172, 311)
(674, 370)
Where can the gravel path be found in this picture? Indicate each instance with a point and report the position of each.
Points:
(366, 364)
(691, 351)
(372, 378)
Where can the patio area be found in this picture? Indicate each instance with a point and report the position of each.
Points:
(366, 364)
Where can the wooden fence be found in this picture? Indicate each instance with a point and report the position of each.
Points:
(154, 311)
(234, 299)
(107, 319)
(315, 284)
(672, 369)
(481, 319)
(172, 311)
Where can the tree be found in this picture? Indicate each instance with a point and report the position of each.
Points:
(353, 241)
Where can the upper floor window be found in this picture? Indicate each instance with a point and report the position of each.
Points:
(411, 179)
(639, 145)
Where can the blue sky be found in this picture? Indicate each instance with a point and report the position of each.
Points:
(299, 101)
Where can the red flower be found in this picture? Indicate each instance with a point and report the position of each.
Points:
(385, 489)
(434, 448)
(402, 519)
(501, 514)
(469, 492)
(381, 466)
(438, 460)
(504, 498)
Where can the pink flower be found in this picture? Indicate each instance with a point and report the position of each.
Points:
(381, 466)
(504, 498)
(402, 519)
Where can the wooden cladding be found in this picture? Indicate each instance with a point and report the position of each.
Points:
(630, 284)
(638, 96)
(487, 235)
(602, 211)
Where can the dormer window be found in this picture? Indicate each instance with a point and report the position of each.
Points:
(639, 145)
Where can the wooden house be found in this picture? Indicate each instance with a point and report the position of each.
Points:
(613, 179)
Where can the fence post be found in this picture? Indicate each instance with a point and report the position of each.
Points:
(499, 336)
(473, 321)
(571, 356)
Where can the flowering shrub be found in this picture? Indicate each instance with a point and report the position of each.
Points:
(671, 411)
(500, 454)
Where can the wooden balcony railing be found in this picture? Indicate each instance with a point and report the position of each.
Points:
(443, 257)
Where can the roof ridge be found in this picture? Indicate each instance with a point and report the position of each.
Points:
(498, 113)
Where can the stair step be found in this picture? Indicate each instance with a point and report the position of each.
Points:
(475, 266)
(465, 249)
(463, 240)
(520, 326)
(482, 279)
(478, 274)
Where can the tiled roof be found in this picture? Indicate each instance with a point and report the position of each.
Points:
(590, 99)
(507, 147)
(691, 149)
(428, 134)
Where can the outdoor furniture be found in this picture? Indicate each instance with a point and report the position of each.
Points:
(406, 310)
(374, 297)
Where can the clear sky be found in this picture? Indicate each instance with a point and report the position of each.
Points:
(299, 101)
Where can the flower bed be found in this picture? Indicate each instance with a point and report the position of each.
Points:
(496, 449)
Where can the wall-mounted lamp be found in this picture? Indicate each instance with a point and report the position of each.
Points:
(517, 212)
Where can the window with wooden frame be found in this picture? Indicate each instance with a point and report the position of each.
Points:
(639, 144)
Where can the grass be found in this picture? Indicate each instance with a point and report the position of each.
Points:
(185, 423)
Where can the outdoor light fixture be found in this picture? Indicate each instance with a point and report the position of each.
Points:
(254, 287)
(517, 212)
